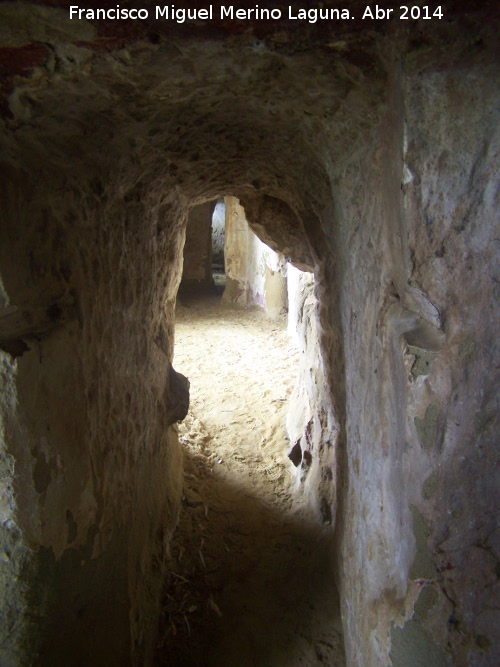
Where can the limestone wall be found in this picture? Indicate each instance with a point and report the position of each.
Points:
(255, 274)
(451, 199)
(419, 539)
(366, 157)
(89, 351)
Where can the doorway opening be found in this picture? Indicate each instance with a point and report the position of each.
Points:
(250, 579)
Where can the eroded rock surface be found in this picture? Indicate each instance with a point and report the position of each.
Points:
(369, 156)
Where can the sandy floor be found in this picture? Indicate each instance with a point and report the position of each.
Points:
(250, 582)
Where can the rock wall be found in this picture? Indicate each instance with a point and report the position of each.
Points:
(451, 200)
(419, 541)
(388, 192)
(304, 425)
(255, 274)
(388, 407)
(90, 497)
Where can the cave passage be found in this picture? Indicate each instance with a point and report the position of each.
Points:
(364, 154)
(250, 582)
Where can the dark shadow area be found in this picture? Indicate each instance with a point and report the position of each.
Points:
(247, 586)
(219, 276)
(192, 291)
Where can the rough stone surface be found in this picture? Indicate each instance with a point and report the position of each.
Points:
(418, 503)
(311, 423)
(366, 156)
(256, 275)
(80, 466)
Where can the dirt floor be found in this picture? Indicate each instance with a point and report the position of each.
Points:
(250, 583)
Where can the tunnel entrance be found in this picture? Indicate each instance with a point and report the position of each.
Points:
(249, 574)
(366, 151)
